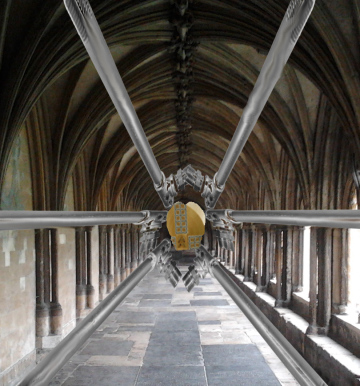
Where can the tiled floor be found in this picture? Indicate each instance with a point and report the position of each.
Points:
(161, 336)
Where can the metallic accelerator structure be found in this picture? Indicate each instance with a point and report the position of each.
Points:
(223, 221)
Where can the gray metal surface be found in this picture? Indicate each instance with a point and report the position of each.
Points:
(87, 27)
(289, 31)
(21, 219)
(315, 218)
(42, 374)
(295, 363)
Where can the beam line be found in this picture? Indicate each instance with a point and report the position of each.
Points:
(314, 218)
(43, 373)
(295, 363)
(289, 32)
(21, 219)
(89, 31)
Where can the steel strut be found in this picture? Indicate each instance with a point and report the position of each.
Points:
(43, 373)
(289, 31)
(315, 218)
(22, 219)
(88, 28)
(295, 363)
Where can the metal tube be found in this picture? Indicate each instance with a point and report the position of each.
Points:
(42, 374)
(295, 363)
(315, 218)
(87, 27)
(12, 220)
(289, 31)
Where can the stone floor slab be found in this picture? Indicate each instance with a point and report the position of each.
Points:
(171, 375)
(234, 376)
(209, 302)
(107, 346)
(207, 293)
(103, 376)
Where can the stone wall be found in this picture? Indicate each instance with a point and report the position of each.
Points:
(17, 271)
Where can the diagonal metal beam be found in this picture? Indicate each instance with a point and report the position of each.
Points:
(42, 374)
(19, 219)
(315, 218)
(88, 28)
(289, 31)
(295, 363)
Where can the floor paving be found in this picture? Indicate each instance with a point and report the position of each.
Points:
(160, 336)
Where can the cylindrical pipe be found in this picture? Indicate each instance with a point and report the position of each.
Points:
(85, 22)
(283, 44)
(21, 219)
(48, 367)
(314, 218)
(295, 363)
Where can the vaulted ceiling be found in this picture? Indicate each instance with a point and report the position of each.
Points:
(301, 153)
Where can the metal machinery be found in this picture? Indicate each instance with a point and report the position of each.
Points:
(222, 220)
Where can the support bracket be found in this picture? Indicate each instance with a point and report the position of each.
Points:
(167, 190)
(224, 229)
(149, 232)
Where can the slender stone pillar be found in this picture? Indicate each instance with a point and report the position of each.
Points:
(117, 255)
(312, 329)
(278, 266)
(123, 253)
(42, 308)
(56, 313)
(286, 276)
(259, 256)
(248, 251)
(80, 271)
(102, 260)
(239, 245)
(134, 249)
(128, 251)
(271, 253)
(110, 258)
(90, 290)
(324, 241)
(297, 241)
(265, 260)
(340, 255)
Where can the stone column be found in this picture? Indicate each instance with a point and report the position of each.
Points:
(123, 253)
(90, 290)
(312, 329)
(259, 255)
(247, 252)
(117, 255)
(42, 308)
(239, 251)
(288, 253)
(56, 314)
(134, 248)
(102, 260)
(128, 251)
(278, 266)
(80, 271)
(271, 253)
(296, 235)
(265, 259)
(110, 258)
(324, 241)
(340, 271)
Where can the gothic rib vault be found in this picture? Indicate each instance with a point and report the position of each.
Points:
(49, 84)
